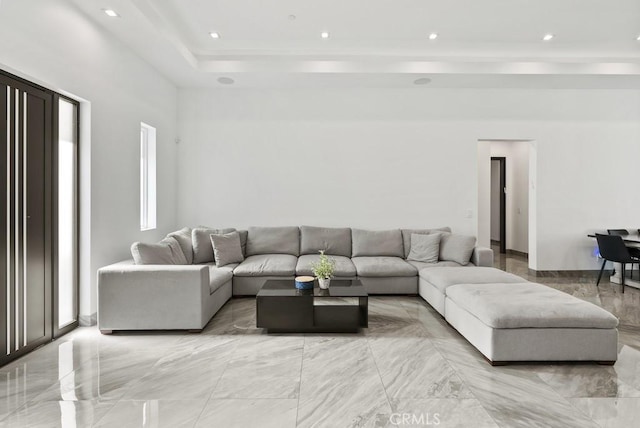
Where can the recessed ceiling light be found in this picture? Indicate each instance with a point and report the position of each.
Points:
(112, 13)
(292, 17)
(214, 35)
(226, 80)
(638, 38)
(324, 35)
(547, 37)
(433, 36)
(422, 81)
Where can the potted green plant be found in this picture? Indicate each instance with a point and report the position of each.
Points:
(323, 270)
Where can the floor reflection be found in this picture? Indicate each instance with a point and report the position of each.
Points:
(232, 374)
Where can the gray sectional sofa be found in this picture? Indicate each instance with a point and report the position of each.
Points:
(153, 297)
(505, 317)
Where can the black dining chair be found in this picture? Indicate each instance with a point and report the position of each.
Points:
(613, 249)
(635, 252)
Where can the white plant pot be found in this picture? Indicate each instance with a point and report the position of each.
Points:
(324, 282)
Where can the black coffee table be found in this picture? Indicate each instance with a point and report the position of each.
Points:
(281, 308)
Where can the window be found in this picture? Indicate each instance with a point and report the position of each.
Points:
(147, 177)
(67, 266)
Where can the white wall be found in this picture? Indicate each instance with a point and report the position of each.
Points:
(483, 230)
(276, 158)
(407, 158)
(517, 184)
(57, 46)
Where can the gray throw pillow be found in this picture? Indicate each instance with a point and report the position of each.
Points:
(202, 248)
(183, 236)
(406, 236)
(425, 248)
(457, 248)
(227, 248)
(165, 252)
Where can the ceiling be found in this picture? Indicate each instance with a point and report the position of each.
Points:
(382, 43)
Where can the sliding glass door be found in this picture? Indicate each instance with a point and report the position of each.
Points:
(38, 213)
(26, 216)
(65, 216)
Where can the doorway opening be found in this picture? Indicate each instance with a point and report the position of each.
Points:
(499, 203)
(506, 197)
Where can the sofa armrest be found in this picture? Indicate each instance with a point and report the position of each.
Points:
(129, 266)
(141, 297)
(482, 256)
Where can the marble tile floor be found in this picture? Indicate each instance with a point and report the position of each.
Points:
(409, 368)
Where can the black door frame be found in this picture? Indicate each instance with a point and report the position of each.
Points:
(503, 202)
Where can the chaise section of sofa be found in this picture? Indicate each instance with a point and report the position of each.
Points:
(433, 283)
(526, 321)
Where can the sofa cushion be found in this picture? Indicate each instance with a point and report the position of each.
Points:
(183, 236)
(202, 248)
(165, 252)
(383, 267)
(273, 240)
(218, 276)
(425, 248)
(406, 236)
(438, 264)
(344, 266)
(334, 241)
(457, 248)
(267, 265)
(227, 248)
(528, 305)
(377, 243)
(444, 278)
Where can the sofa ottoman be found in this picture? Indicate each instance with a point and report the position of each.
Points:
(531, 322)
(433, 283)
